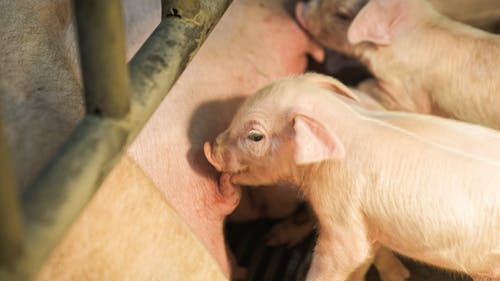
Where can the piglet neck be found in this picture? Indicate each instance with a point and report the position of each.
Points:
(329, 187)
(315, 178)
(311, 180)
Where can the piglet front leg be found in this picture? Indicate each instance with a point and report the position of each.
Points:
(339, 254)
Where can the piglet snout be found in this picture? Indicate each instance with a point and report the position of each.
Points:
(207, 149)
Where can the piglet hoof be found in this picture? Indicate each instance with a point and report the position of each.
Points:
(229, 194)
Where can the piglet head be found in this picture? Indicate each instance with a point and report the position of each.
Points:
(220, 156)
(277, 130)
(328, 20)
(381, 22)
(246, 152)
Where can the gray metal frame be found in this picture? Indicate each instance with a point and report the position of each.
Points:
(118, 104)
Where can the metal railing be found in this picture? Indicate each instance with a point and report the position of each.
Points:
(119, 101)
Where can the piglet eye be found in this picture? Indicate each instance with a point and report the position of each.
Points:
(256, 136)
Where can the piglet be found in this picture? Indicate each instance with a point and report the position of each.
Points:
(425, 62)
(422, 61)
(328, 20)
(369, 182)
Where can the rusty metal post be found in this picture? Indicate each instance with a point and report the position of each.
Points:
(10, 212)
(101, 37)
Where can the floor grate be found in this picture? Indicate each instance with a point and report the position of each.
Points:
(291, 264)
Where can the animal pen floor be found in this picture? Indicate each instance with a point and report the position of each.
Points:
(291, 264)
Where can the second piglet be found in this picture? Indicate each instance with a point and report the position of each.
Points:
(425, 62)
(369, 182)
(422, 61)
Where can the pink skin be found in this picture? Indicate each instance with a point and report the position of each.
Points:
(235, 60)
(392, 38)
(255, 43)
(384, 32)
(360, 190)
(225, 155)
(297, 223)
(228, 193)
(328, 20)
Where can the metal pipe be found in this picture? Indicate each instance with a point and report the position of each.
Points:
(163, 57)
(69, 181)
(10, 212)
(105, 75)
(51, 205)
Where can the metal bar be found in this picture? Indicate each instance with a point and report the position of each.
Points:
(69, 181)
(10, 212)
(105, 75)
(163, 57)
(62, 191)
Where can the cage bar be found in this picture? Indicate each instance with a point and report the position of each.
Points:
(100, 28)
(10, 212)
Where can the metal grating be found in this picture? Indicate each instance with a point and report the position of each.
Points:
(281, 263)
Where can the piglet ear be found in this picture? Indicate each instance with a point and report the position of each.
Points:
(314, 142)
(374, 22)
